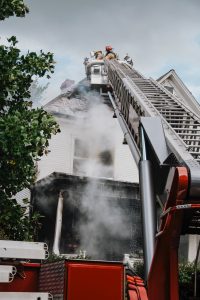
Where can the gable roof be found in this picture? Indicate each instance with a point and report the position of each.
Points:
(72, 103)
(180, 89)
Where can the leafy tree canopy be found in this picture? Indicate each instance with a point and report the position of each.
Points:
(17, 73)
(12, 8)
(24, 131)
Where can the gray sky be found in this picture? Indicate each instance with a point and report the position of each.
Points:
(159, 35)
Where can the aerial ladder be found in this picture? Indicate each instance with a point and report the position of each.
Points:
(164, 137)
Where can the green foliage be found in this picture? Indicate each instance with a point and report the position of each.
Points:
(24, 138)
(17, 71)
(186, 271)
(54, 257)
(139, 268)
(186, 280)
(12, 8)
(24, 131)
(15, 221)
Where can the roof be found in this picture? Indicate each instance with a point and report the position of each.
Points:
(73, 103)
(181, 90)
(73, 90)
(165, 76)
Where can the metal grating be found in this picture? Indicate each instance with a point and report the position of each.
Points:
(51, 279)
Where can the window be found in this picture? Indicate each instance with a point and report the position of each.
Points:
(89, 162)
(81, 155)
(106, 158)
(81, 149)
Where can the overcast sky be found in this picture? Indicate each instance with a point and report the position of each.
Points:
(159, 35)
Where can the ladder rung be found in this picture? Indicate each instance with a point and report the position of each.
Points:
(188, 134)
(180, 123)
(191, 140)
(171, 110)
(177, 114)
(187, 129)
(193, 146)
(181, 119)
(163, 107)
(163, 102)
(194, 153)
(160, 99)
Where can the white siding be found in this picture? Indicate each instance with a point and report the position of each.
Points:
(60, 159)
(125, 168)
(193, 245)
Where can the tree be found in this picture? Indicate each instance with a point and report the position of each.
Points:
(12, 7)
(24, 131)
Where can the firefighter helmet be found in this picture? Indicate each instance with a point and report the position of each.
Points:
(109, 48)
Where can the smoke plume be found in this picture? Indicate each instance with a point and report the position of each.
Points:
(102, 217)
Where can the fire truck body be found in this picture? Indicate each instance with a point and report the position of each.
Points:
(64, 279)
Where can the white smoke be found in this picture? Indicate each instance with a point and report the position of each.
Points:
(101, 216)
(98, 130)
(103, 220)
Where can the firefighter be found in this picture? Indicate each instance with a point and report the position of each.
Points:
(109, 53)
(98, 55)
(128, 59)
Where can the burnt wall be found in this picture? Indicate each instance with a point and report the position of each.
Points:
(100, 216)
